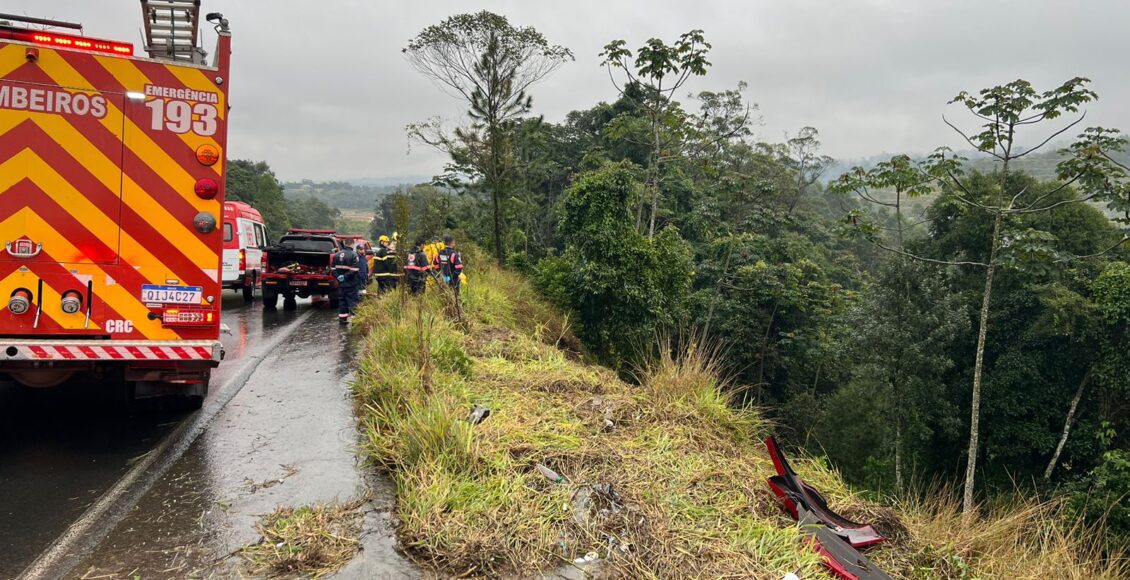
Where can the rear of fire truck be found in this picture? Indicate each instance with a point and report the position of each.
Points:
(111, 189)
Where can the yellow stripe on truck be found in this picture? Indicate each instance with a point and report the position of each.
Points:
(84, 211)
(135, 138)
(107, 172)
(122, 300)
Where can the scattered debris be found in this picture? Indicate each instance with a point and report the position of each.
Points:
(587, 558)
(839, 556)
(478, 414)
(550, 474)
(254, 486)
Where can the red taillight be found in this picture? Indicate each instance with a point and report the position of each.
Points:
(68, 41)
(242, 260)
(207, 188)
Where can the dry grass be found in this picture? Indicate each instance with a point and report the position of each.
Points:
(1020, 539)
(309, 541)
(664, 479)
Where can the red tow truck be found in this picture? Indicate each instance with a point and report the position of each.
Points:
(299, 266)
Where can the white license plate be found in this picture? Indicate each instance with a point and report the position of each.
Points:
(297, 282)
(171, 294)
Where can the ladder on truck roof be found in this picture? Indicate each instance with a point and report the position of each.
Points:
(172, 29)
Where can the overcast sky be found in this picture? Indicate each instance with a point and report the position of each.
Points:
(320, 89)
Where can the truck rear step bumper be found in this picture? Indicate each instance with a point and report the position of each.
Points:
(110, 350)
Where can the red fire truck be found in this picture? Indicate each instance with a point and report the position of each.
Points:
(111, 192)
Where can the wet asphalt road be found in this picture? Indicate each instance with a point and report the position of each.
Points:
(62, 448)
(287, 438)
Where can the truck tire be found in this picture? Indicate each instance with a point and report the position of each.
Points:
(289, 302)
(156, 396)
(270, 298)
(249, 290)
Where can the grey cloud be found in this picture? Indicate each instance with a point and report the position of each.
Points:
(321, 90)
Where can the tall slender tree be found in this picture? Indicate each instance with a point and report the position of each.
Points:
(490, 65)
(906, 180)
(660, 70)
(1004, 112)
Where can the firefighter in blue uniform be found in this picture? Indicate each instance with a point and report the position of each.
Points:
(347, 269)
(448, 263)
(416, 268)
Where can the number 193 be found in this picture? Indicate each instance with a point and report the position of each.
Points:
(181, 117)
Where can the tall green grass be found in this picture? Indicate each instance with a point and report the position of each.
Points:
(685, 460)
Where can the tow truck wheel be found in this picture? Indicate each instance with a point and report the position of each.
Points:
(270, 298)
(290, 302)
(249, 291)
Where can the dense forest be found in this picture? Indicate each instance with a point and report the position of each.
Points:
(918, 322)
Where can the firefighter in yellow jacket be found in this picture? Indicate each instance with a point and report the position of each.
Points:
(385, 269)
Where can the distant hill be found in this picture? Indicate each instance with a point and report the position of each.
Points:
(1040, 165)
(339, 194)
(364, 193)
(406, 181)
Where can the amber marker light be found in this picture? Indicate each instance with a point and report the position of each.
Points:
(207, 154)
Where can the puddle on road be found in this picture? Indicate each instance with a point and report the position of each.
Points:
(287, 439)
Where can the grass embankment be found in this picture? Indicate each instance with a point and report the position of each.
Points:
(664, 479)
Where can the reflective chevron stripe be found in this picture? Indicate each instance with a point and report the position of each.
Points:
(109, 195)
(115, 350)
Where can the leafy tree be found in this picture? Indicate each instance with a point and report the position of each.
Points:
(253, 182)
(421, 211)
(1108, 311)
(658, 71)
(1046, 337)
(801, 154)
(312, 213)
(490, 65)
(903, 331)
(623, 286)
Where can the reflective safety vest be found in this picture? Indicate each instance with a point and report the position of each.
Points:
(347, 267)
(384, 263)
(417, 266)
(449, 263)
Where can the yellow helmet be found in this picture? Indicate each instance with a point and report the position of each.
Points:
(382, 239)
